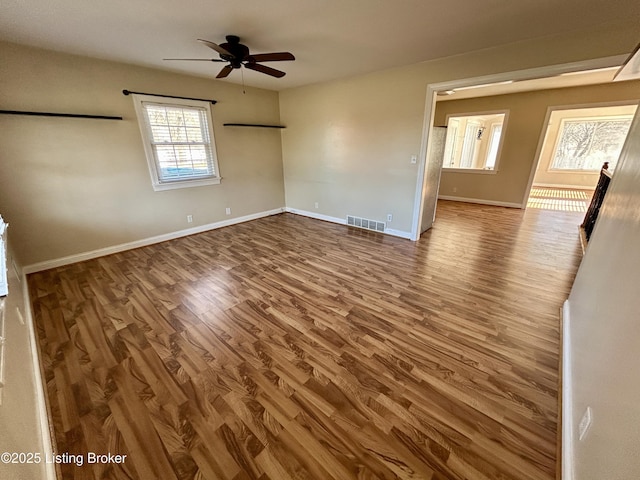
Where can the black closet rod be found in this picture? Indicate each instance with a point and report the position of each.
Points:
(50, 114)
(129, 92)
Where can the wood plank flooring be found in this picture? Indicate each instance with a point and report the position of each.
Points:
(564, 199)
(290, 348)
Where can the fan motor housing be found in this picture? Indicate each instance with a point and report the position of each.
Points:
(238, 51)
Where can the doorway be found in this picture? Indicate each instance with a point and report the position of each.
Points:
(576, 144)
(487, 83)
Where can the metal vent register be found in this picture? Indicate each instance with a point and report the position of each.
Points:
(365, 223)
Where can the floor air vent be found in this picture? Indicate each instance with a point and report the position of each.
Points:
(365, 223)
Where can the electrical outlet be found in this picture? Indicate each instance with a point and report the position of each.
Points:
(189, 218)
(317, 205)
(585, 423)
(455, 189)
(414, 159)
(227, 211)
(389, 217)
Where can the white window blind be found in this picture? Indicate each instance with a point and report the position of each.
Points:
(180, 140)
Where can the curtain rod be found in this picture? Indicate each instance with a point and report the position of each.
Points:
(129, 92)
(50, 114)
(252, 125)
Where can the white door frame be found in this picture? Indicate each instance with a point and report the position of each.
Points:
(528, 74)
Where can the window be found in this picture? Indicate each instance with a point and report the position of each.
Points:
(586, 143)
(474, 142)
(471, 134)
(178, 141)
(449, 151)
(494, 143)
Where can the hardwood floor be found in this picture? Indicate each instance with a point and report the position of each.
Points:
(564, 199)
(290, 348)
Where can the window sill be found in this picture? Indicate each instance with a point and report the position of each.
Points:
(159, 187)
(567, 170)
(470, 170)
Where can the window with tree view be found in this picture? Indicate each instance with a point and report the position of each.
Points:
(178, 142)
(586, 143)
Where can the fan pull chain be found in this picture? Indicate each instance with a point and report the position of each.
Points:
(242, 74)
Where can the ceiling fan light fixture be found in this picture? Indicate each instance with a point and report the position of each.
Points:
(238, 55)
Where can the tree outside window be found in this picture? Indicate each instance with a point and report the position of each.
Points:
(586, 143)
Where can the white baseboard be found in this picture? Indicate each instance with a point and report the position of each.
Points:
(343, 221)
(101, 252)
(398, 233)
(480, 201)
(317, 216)
(567, 396)
(41, 401)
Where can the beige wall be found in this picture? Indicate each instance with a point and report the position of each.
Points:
(545, 176)
(605, 331)
(69, 186)
(349, 142)
(348, 147)
(522, 135)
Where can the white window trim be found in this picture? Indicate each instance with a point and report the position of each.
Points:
(156, 183)
(481, 171)
(477, 171)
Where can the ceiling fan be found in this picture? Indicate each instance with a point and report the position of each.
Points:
(238, 56)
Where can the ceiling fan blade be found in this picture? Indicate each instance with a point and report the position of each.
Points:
(197, 59)
(264, 69)
(225, 72)
(272, 57)
(215, 47)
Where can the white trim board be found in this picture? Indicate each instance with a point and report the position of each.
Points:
(528, 74)
(317, 216)
(567, 397)
(343, 221)
(101, 252)
(41, 400)
(480, 201)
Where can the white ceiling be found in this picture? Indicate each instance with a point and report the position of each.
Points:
(330, 38)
